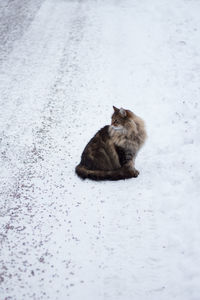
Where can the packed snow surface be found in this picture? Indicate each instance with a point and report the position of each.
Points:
(63, 64)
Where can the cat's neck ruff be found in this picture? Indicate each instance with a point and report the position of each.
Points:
(117, 130)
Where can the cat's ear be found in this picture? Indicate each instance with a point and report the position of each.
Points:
(122, 112)
(115, 109)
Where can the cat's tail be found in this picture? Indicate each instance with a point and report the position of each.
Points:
(122, 173)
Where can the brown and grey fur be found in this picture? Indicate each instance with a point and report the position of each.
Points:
(111, 153)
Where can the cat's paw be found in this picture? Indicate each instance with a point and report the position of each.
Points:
(135, 173)
(130, 173)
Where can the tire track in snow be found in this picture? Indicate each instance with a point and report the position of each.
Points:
(26, 79)
(23, 207)
(15, 18)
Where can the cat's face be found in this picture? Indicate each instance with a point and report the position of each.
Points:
(120, 118)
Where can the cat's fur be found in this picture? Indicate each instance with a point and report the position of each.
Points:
(111, 153)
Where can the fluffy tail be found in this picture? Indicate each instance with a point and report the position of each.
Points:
(118, 174)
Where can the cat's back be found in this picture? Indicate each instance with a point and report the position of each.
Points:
(97, 142)
(100, 152)
(100, 138)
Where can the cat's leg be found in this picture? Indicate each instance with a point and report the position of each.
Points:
(128, 162)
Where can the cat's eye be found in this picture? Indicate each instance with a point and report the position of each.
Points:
(116, 122)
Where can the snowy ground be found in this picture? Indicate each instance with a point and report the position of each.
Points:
(63, 65)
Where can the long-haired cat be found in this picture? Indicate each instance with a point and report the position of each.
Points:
(111, 153)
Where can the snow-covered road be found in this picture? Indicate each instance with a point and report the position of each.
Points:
(63, 64)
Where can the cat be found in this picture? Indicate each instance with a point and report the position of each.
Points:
(111, 153)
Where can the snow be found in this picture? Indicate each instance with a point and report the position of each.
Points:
(64, 64)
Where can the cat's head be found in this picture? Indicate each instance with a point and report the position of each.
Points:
(121, 118)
